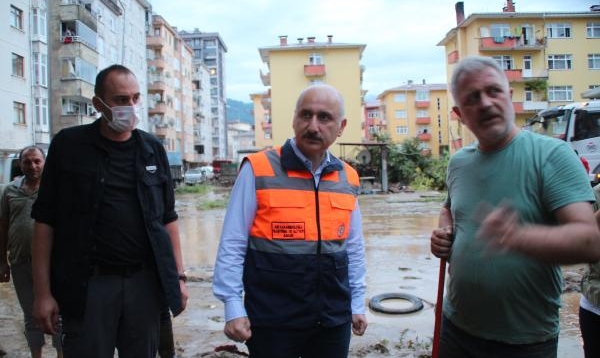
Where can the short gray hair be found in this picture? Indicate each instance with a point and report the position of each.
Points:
(473, 64)
(330, 88)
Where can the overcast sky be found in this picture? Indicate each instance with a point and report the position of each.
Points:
(401, 36)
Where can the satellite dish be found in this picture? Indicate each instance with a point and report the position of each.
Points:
(364, 157)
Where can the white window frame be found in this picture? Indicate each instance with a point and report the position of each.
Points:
(401, 130)
(560, 62)
(594, 61)
(400, 97)
(592, 30)
(505, 61)
(558, 30)
(421, 113)
(400, 114)
(500, 30)
(422, 95)
(560, 93)
(315, 59)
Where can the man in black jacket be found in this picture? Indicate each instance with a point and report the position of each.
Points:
(106, 251)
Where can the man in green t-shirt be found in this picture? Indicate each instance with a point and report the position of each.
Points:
(518, 206)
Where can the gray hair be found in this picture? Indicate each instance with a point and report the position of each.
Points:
(327, 87)
(472, 64)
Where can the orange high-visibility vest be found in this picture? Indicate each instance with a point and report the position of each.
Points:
(296, 259)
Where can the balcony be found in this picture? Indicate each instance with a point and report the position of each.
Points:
(424, 137)
(159, 108)
(529, 107)
(314, 70)
(509, 43)
(422, 104)
(513, 75)
(157, 86)
(534, 105)
(154, 41)
(156, 62)
(265, 78)
(265, 125)
(424, 120)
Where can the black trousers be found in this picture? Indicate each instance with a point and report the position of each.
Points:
(318, 342)
(589, 323)
(122, 312)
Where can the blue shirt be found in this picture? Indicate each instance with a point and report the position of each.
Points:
(229, 266)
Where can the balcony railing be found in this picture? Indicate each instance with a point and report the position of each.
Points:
(502, 43)
(424, 120)
(424, 137)
(422, 104)
(314, 70)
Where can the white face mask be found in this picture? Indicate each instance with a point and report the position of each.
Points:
(124, 118)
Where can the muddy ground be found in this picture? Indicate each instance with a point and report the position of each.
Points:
(397, 228)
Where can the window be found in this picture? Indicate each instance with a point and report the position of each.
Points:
(315, 59)
(17, 65)
(505, 61)
(400, 113)
(16, 17)
(41, 112)
(373, 114)
(422, 95)
(558, 30)
(39, 22)
(400, 97)
(593, 29)
(560, 93)
(77, 68)
(500, 30)
(559, 62)
(40, 63)
(594, 61)
(422, 114)
(19, 109)
(402, 130)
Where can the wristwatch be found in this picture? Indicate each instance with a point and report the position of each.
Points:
(182, 277)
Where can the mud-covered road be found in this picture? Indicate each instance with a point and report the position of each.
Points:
(396, 228)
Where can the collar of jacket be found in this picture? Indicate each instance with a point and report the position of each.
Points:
(290, 161)
(94, 133)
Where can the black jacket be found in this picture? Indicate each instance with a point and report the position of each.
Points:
(69, 196)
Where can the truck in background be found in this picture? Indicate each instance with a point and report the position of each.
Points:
(579, 125)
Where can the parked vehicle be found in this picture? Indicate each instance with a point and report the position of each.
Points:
(193, 176)
(579, 125)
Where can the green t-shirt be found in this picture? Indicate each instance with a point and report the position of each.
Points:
(15, 207)
(507, 296)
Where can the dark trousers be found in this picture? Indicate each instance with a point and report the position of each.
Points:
(589, 323)
(456, 343)
(166, 343)
(122, 312)
(316, 342)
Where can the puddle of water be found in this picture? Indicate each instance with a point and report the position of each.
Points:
(398, 260)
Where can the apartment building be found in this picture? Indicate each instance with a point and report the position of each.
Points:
(209, 50)
(24, 85)
(202, 113)
(373, 123)
(170, 97)
(263, 138)
(294, 66)
(550, 58)
(85, 36)
(417, 110)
